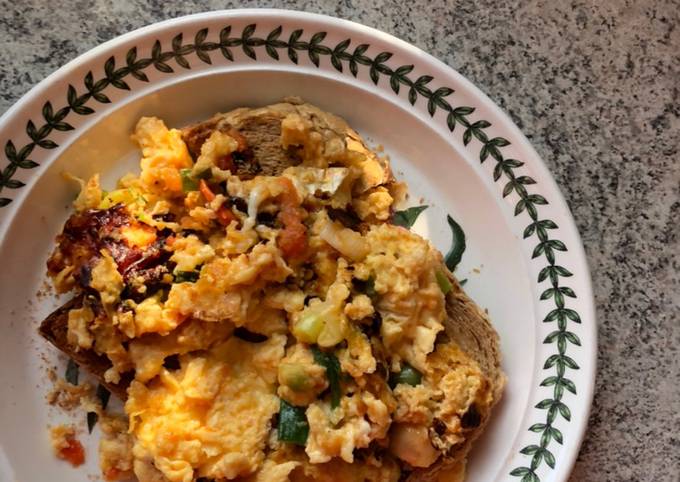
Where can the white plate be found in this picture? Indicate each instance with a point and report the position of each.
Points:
(524, 261)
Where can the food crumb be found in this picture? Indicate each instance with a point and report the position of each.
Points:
(67, 396)
(66, 446)
(115, 448)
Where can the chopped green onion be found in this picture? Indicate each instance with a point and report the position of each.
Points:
(443, 281)
(92, 418)
(138, 196)
(330, 362)
(369, 287)
(72, 372)
(407, 375)
(205, 174)
(188, 182)
(145, 218)
(186, 276)
(366, 286)
(308, 327)
(293, 425)
(124, 196)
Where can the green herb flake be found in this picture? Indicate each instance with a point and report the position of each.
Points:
(186, 276)
(72, 372)
(370, 288)
(443, 281)
(103, 395)
(330, 362)
(455, 254)
(188, 183)
(366, 286)
(407, 375)
(92, 418)
(408, 217)
(293, 425)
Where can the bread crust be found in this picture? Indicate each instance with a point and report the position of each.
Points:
(470, 328)
(261, 128)
(55, 328)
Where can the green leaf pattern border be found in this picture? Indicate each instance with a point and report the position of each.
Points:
(505, 170)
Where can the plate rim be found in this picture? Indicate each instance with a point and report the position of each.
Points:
(557, 198)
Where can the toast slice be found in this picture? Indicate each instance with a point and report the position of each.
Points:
(466, 325)
(261, 129)
(55, 328)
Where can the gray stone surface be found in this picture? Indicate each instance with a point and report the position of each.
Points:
(595, 86)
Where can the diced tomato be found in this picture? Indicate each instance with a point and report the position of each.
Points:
(226, 163)
(292, 238)
(112, 473)
(224, 214)
(73, 452)
(205, 190)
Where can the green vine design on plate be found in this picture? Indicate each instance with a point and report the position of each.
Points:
(342, 56)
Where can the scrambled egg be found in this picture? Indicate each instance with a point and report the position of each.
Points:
(411, 301)
(353, 425)
(164, 154)
(265, 318)
(212, 416)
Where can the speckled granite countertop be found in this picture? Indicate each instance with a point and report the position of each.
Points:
(595, 86)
